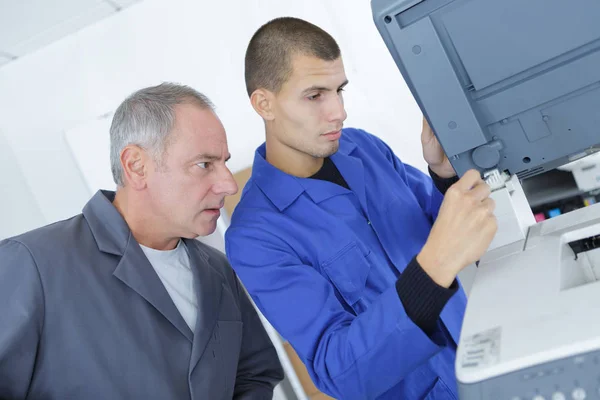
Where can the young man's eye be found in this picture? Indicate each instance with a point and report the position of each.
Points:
(314, 96)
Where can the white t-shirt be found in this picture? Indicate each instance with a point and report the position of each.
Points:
(174, 270)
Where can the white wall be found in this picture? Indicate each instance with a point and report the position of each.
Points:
(19, 211)
(199, 43)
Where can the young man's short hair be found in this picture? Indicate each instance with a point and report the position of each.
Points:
(269, 55)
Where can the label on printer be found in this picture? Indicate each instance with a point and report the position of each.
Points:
(482, 349)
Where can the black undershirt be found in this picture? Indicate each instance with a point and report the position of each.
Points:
(422, 298)
(329, 172)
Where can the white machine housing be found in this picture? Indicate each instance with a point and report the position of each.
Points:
(586, 172)
(531, 328)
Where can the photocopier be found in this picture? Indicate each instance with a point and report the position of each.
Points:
(512, 88)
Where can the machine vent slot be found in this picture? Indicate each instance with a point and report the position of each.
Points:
(585, 244)
(526, 173)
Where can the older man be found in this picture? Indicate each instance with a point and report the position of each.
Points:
(120, 302)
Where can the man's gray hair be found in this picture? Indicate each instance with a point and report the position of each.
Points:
(146, 118)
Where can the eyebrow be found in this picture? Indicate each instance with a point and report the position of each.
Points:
(209, 157)
(323, 88)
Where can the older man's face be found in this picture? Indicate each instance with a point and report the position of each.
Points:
(188, 187)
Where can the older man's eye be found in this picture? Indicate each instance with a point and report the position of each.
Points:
(203, 165)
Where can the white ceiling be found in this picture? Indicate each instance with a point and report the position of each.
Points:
(27, 25)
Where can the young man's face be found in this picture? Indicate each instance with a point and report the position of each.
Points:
(188, 187)
(309, 109)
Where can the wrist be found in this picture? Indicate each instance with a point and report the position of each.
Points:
(436, 267)
(442, 170)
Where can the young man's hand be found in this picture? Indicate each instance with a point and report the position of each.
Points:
(434, 154)
(462, 232)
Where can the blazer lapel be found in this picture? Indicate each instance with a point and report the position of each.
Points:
(135, 271)
(113, 236)
(209, 287)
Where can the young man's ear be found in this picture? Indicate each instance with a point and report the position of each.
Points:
(134, 164)
(262, 101)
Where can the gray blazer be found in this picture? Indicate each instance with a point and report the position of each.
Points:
(83, 315)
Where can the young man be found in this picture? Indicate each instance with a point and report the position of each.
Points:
(120, 302)
(351, 254)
